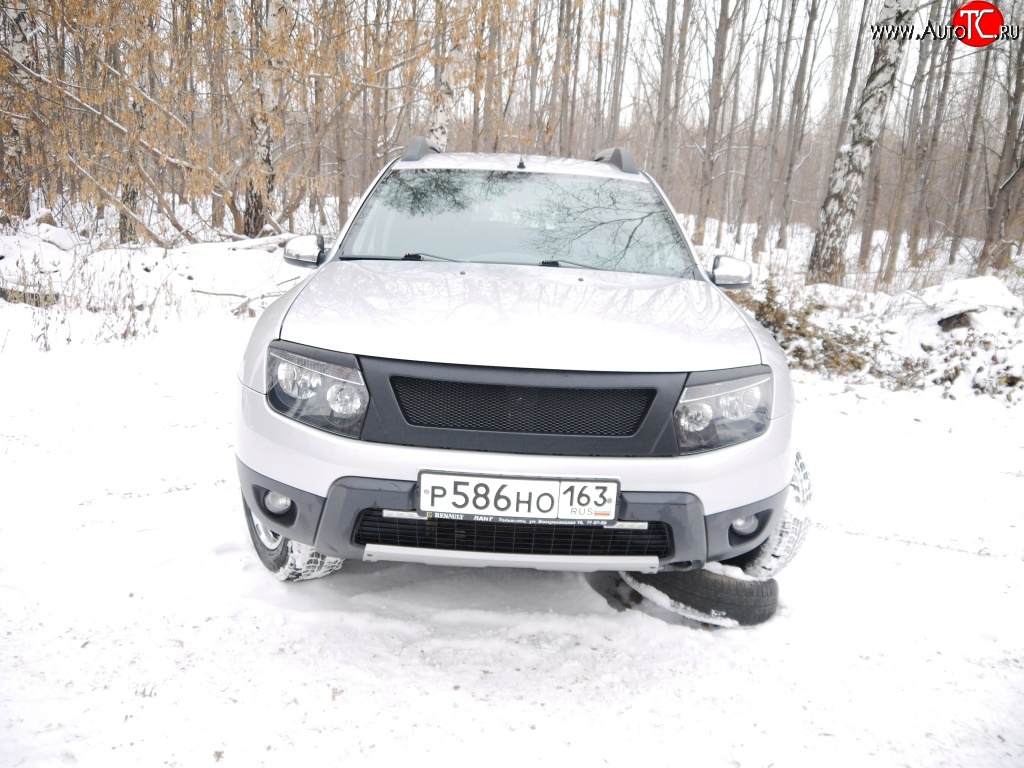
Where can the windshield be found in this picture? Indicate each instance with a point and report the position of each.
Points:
(522, 218)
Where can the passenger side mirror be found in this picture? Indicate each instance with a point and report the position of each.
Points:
(731, 274)
(305, 250)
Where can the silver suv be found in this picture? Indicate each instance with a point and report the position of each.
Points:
(514, 361)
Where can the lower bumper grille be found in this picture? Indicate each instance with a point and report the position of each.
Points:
(512, 538)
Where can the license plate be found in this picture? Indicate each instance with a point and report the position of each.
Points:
(461, 496)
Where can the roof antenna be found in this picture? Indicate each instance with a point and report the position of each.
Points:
(522, 165)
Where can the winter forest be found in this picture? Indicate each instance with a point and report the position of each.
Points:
(213, 119)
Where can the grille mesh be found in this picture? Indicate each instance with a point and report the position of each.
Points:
(512, 538)
(534, 410)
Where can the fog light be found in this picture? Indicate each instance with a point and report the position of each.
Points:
(276, 502)
(745, 525)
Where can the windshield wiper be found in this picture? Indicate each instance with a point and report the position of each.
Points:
(422, 256)
(406, 257)
(561, 262)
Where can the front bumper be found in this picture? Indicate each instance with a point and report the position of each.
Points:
(333, 525)
(334, 481)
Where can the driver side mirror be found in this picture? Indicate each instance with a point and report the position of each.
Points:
(305, 250)
(731, 274)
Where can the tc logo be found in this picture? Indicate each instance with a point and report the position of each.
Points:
(977, 23)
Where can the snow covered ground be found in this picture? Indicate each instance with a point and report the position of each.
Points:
(138, 628)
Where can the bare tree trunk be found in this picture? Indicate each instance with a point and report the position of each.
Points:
(828, 256)
(871, 207)
(844, 117)
(533, 120)
(707, 168)
(995, 252)
(910, 157)
(748, 165)
(618, 70)
(664, 91)
(734, 111)
(478, 76)
(442, 94)
(14, 182)
(491, 98)
(218, 86)
(562, 68)
(774, 130)
(967, 172)
(341, 159)
(894, 235)
(681, 59)
(254, 220)
(555, 89)
(574, 90)
(598, 114)
(798, 119)
(126, 229)
(316, 197)
(937, 116)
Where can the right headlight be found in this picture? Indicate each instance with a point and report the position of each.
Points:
(722, 413)
(326, 395)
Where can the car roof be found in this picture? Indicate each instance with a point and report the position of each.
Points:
(511, 162)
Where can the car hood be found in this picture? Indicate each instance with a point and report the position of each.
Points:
(520, 316)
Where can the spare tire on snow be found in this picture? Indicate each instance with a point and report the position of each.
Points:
(709, 597)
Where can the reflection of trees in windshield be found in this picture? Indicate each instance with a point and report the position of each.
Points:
(508, 216)
(613, 225)
(436, 192)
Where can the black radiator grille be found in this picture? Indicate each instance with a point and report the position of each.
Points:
(512, 538)
(531, 410)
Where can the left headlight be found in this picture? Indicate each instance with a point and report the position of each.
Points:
(325, 395)
(722, 413)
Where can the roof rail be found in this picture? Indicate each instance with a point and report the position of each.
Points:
(419, 148)
(619, 157)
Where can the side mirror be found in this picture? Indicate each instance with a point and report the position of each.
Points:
(305, 250)
(731, 274)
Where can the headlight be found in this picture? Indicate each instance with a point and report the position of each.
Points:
(715, 415)
(325, 395)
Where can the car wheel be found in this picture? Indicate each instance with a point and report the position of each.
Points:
(288, 560)
(783, 543)
(709, 597)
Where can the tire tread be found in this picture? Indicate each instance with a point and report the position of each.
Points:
(776, 552)
(712, 597)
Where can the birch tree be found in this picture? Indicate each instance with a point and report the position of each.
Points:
(14, 178)
(828, 256)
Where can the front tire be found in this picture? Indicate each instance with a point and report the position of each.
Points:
(783, 543)
(288, 560)
(708, 597)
